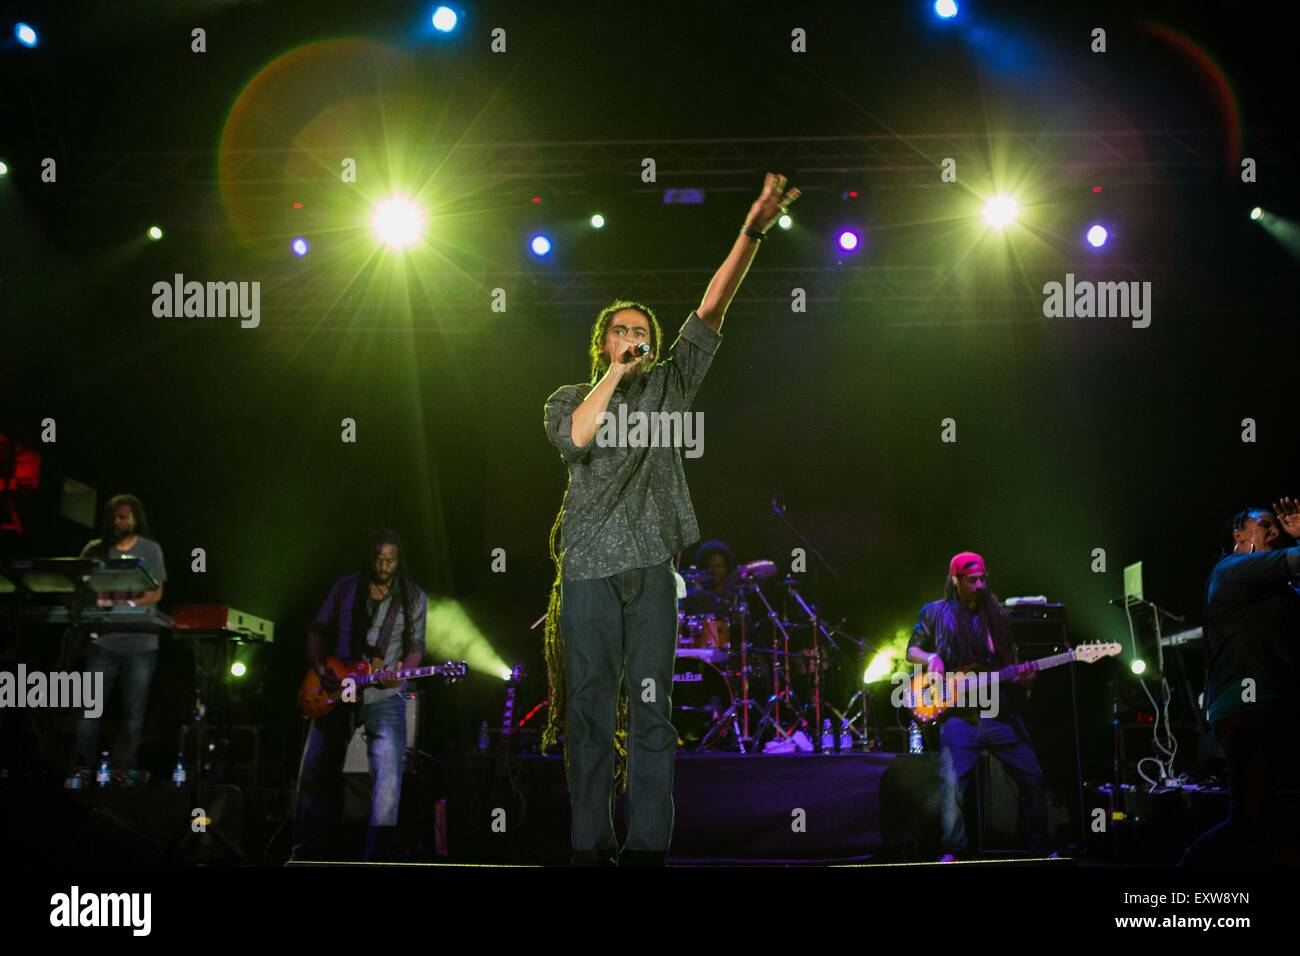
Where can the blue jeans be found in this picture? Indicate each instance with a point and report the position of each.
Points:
(620, 631)
(136, 669)
(320, 775)
(960, 746)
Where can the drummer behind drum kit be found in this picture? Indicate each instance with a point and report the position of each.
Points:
(746, 674)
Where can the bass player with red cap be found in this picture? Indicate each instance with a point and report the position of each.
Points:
(969, 631)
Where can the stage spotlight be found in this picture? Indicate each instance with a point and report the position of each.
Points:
(397, 222)
(154, 233)
(540, 245)
(4, 170)
(598, 221)
(237, 669)
(300, 246)
(1138, 666)
(444, 19)
(945, 9)
(1000, 211)
(25, 34)
(1097, 236)
(848, 240)
(785, 222)
(1256, 214)
(506, 673)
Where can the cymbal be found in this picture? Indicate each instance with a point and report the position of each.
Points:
(695, 576)
(755, 571)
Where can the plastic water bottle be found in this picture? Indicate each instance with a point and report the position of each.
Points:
(103, 775)
(178, 775)
(915, 742)
(484, 737)
(828, 737)
(846, 738)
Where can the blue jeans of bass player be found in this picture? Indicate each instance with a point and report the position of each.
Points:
(320, 775)
(620, 631)
(960, 744)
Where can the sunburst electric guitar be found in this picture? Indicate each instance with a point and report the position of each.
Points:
(929, 702)
(314, 701)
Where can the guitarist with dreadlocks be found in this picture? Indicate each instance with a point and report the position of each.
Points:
(969, 631)
(377, 615)
(611, 623)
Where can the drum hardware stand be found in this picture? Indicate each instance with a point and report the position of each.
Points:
(739, 724)
(817, 629)
(213, 650)
(780, 669)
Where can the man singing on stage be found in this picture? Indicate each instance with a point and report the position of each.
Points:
(626, 512)
(969, 631)
(378, 615)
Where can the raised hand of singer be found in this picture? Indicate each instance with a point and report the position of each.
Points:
(1288, 516)
(771, 202)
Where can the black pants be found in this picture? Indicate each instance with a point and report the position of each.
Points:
(1255, 745)
(620, 631)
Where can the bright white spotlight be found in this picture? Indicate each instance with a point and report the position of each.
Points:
(25, 34)
(397, 222)
(598, 221)
(155, 233)
(945, 9)
(444, 19)
(1256, 214)
(540, 245)
(1138, 666)
(300, 247)
(4, 170)
(785, 222)
(1097, 236)
(848, 240)
(1000, 211)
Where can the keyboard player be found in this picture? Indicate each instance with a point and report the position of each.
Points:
(125, 659)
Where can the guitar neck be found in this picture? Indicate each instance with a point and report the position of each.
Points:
(408, 673)
(1042, 664)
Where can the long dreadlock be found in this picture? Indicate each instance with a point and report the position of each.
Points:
(964, 646)
(554, 648)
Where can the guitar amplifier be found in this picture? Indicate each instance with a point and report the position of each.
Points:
(356, 761)
(1051, 716)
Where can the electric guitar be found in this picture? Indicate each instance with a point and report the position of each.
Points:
(314, 701)
(928, 700)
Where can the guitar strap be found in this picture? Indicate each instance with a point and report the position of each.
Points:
(386, 629)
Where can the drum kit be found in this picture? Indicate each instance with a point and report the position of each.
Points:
(749, 678)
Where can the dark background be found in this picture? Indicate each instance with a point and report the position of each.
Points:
(1072, 434)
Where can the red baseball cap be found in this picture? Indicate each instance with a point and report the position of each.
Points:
(967, 562)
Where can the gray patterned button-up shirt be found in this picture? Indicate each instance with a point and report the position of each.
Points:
(629, 507)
